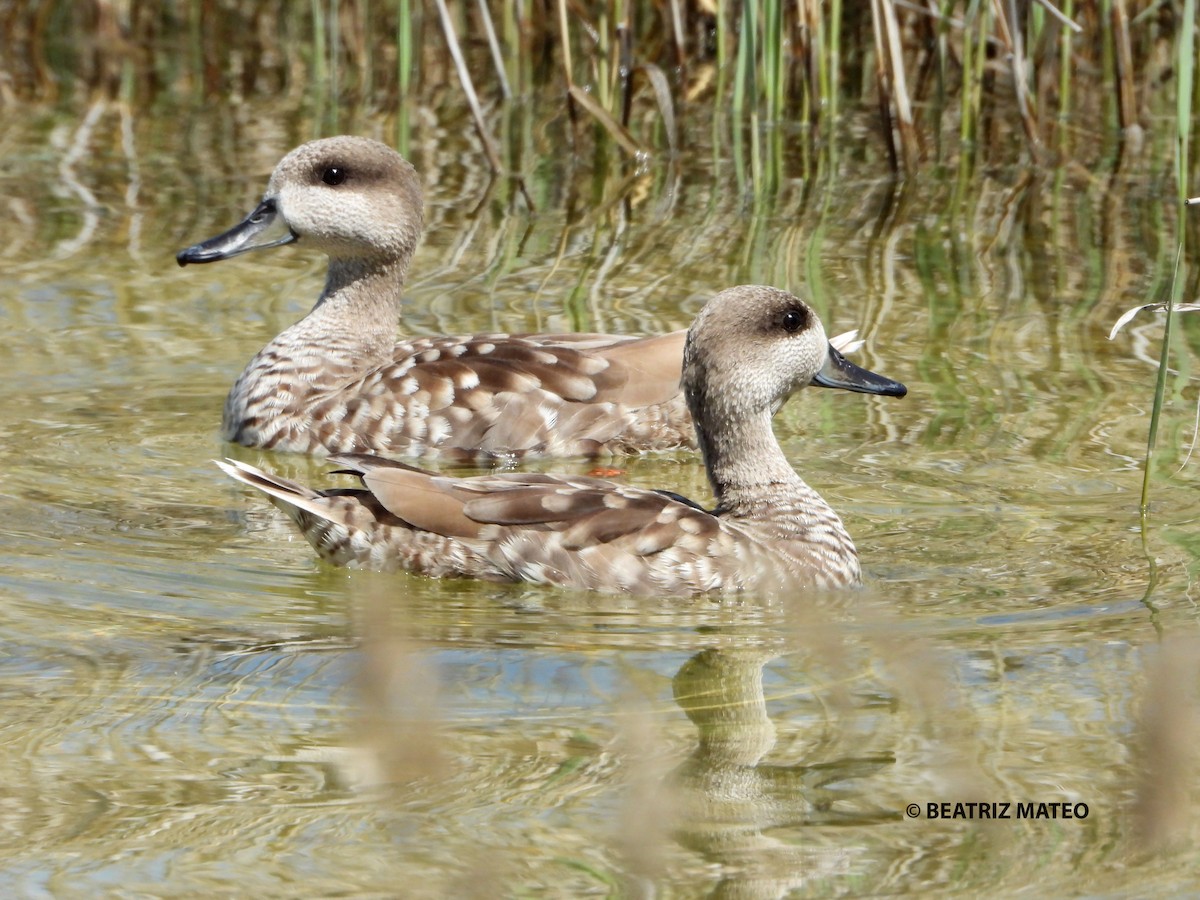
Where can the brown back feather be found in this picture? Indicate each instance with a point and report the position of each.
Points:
(650, 368)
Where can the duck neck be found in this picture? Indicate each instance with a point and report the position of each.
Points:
(351, 330)
(355, 318)
(745, 464)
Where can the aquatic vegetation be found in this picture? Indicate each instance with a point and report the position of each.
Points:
(943, 81)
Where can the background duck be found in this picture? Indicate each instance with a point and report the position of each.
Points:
(338, 381)
(749, 349)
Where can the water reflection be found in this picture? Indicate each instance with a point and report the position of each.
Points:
(191, 699)
(730, 800)
(743, 748)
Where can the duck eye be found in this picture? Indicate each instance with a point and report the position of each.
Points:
(333, 175)
(793, 320)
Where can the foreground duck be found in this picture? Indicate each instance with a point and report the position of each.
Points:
(750, 348)
(338, 381)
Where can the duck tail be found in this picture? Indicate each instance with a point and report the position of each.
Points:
(288, 495)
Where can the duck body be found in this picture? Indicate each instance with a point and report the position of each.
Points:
(338, 381)
(489, 396)
(572, 531)
(749, 349)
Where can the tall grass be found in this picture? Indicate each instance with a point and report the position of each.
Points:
(630, 69)
(1185, 56)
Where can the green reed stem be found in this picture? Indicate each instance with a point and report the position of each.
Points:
(747, 97)
(516, 50)
(1065, 64)
(976, 35)
(1108, 64)
(1183, 105)
(833, 63)
(1183, 101)
(335, 41)
(319, 42)
(772, 58)
(722, 35)
(602, 61)
(404, 47)
(404, 70)
(1160, 382)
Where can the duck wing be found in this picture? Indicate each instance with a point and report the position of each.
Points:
(513, 396)
(570, 530)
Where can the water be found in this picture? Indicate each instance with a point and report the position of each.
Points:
(193, 704)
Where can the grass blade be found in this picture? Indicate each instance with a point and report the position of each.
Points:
(490, 148)
(494, 45)
(619, 133)
(1186, 67)
(666, 108)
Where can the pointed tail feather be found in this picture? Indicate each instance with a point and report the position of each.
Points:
(288, 495)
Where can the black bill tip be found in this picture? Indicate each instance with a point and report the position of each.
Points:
(263, 228)
(839, 372)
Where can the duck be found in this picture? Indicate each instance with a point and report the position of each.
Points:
(749, 349)
(339, 381)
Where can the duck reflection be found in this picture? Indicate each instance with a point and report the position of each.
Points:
(728, 798)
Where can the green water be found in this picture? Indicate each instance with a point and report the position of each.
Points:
(192, 704)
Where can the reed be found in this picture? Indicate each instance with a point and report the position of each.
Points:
(1185, 63)
(405, 60)
(468, 86)
(632, 69)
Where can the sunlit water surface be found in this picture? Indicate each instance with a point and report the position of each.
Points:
(193, 704)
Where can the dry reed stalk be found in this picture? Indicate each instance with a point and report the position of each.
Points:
(808, 45)
(565, 38)
(1007, 23)
(625, 68)
(666, 107)
(884, 88)
(1126, 97)
(1065, 20)
(677, 31)
(894, 106)
(490, 148)
(494, 46)
(904, 116)
(620, 134)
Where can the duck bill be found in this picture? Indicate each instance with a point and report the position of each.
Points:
(839, 372)
(263, 228)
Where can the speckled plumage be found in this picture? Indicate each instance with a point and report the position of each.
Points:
(750, 348)
(338, 381)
